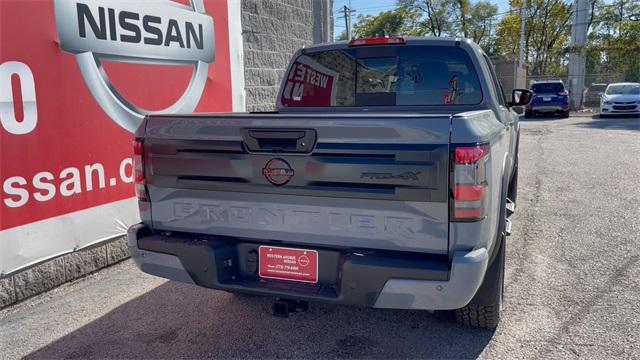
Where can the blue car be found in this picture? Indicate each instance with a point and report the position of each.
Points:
(549, 98)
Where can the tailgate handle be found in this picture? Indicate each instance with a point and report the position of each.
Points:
(279, 140)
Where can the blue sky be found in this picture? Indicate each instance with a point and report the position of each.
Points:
(374, 7)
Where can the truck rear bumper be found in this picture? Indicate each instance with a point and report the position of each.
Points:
(364, 278)
(467, 273)
(549, 108)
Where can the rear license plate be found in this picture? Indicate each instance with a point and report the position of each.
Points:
(546, 98)
(288, 264)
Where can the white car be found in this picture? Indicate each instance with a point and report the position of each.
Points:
(621, 99)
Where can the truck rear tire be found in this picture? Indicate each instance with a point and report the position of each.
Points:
(485, 309)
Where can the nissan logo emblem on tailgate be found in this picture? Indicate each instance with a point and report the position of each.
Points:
(277, 171)
(144, 32)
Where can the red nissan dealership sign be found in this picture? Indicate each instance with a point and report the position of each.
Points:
(76, 78)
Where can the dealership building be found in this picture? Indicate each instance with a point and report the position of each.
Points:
(78, 81)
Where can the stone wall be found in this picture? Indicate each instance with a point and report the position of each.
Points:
(272, 31)
(53, 272)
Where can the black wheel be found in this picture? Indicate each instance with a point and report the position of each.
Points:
(565, 114)
(528, 115)
(485, 309)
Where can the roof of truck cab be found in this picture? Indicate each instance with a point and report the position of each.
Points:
(410, 40)
(535, 82)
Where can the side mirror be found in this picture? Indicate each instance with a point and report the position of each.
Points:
(520, 97)
(518, 110)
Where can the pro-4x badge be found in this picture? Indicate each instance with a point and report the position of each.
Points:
(407, 175)
(277, 171)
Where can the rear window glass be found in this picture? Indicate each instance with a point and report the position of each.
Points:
(404, 75)
(548, 88)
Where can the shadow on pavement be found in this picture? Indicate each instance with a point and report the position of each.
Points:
(629, 122)
(541, 118)
(180, 321)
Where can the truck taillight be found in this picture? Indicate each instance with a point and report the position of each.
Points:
(138, 170)
(469, 182)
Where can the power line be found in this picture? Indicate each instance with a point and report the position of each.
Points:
(373, 8)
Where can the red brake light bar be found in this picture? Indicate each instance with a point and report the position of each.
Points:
(387, 40)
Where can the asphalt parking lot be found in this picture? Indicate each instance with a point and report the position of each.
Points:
(572, 283)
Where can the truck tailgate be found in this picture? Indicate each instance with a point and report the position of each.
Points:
(337, 180)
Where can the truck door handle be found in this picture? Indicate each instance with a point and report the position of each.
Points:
(279, 140)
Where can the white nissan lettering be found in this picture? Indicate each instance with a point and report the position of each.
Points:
(160, 32)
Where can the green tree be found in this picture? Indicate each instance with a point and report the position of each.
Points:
(480, 23)
(437, 15)
(547, 30)
(343, 35)
(474, 21)
(401, 21)
(456, 18)
(614, 42)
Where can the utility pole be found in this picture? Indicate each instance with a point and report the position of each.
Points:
(577, 60)
(347, 20)
(621, 17)
(521, 59)
(347, 11)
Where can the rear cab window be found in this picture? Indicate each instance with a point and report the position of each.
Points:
(547, 88)
(382, 76)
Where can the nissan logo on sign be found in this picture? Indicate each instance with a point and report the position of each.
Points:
(142, 32)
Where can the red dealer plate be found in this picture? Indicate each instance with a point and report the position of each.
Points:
(288, 264)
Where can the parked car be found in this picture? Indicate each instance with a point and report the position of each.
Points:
(385, 179)
(621, 99)
(549, 98)
(593, 94)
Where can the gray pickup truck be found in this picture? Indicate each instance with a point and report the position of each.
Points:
(384, 179)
